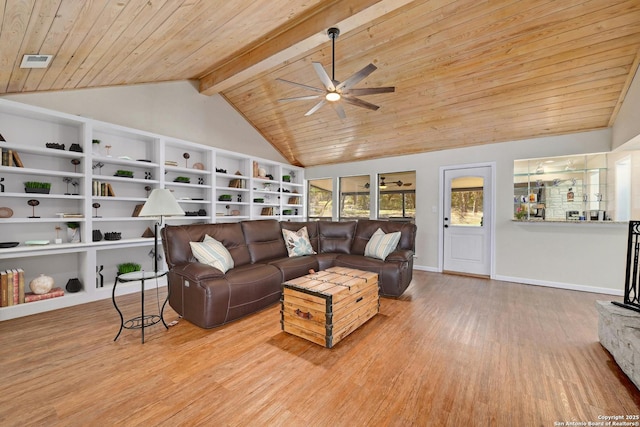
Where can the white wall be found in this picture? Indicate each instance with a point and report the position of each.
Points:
(626, 130)
(576, 256)
(581, 256)
(174, 109)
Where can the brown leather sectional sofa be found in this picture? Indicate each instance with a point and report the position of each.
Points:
(208, 297)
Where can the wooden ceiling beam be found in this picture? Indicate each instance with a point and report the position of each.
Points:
(295, 39)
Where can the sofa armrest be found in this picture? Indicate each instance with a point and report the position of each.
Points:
(197, 271)
(402, 255)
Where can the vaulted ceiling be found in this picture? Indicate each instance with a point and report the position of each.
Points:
(466, 72)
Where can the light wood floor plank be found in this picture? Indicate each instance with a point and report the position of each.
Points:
(451, 351)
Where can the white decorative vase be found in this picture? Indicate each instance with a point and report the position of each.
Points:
(73, 235)
(41, 284)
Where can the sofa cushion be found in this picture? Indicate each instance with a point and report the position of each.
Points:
(312, 230)
(213, 253)
(297, 242)
(366, 228)
(295, 266)
(380, 245)
(264, 240)
(336, 237)
(176, 238)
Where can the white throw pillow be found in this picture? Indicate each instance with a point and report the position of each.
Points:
(212, 252)
(298, 242)
(380, 245)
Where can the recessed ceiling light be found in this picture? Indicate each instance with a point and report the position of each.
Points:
(36, 61)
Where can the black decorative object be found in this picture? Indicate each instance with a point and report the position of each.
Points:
(99, 166)
(75, 184)
(96, 206)
(200, 181)
(75, 163)
(2, 138)
(97, 235)
(148, 175)
(67, 180)
(112, 235)
(99, 271)
(1, 185)
(239, 197)
(54, 145)
(76, 147)
(33, 203)
(186, 159)
(147, 188)
(202, 212)
(74, 285)
(4, 245)
(219, 170)
(632, 276)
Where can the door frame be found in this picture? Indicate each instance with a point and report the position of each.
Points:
(492, 220)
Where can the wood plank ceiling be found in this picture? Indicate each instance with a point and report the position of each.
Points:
(466, 72)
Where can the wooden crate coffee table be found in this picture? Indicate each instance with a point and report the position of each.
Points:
(326, 306)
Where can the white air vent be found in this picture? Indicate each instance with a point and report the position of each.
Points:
(36, 61)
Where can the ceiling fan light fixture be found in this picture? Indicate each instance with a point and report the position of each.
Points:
(332, 96)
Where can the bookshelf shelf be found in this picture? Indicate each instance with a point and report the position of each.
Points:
(155, 161)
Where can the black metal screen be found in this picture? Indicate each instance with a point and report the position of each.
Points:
(632, 279)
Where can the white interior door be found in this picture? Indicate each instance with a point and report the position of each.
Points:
(467, 220)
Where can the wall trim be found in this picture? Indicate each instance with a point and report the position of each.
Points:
(559, 285)
(544, 283)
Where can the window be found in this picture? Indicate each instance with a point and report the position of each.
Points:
(354, 197)
(320, 196)
(467, 201)
(397, 196)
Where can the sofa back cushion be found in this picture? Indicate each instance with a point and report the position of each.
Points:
(312, 230)
(366, 228)
(336, 237)
(176, 238)
(264, 240)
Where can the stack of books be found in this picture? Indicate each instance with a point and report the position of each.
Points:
(12, 291)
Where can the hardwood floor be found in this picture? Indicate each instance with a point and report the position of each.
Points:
(452, 351)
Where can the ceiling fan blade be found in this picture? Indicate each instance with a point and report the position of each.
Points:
(357, 77)
(324, 77)
(315, 89)
(359, 102)
(316, 107)
(369, 91)
(299, 98)
(339, 109)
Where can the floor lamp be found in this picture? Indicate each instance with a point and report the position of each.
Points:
(160, 203)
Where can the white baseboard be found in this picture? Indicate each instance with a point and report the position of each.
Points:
(423, 268)
(536, 282)
(559, 285)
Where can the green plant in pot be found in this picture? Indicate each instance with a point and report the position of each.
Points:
(37, 187)
(73, 232)
(128, 267)
(124, 173)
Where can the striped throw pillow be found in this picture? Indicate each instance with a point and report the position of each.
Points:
(380, 245)
(212, 252)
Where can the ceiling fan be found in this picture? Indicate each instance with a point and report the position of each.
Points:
(334, 92)
(383, 184)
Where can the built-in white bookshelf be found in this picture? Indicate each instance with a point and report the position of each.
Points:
(100, 184)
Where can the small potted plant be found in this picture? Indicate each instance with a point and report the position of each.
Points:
(182, 179)
(286, 178)
(124, 173)
(37, 187)
(73, 232)
(128, 267)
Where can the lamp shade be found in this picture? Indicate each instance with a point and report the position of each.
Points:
(161, 203)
